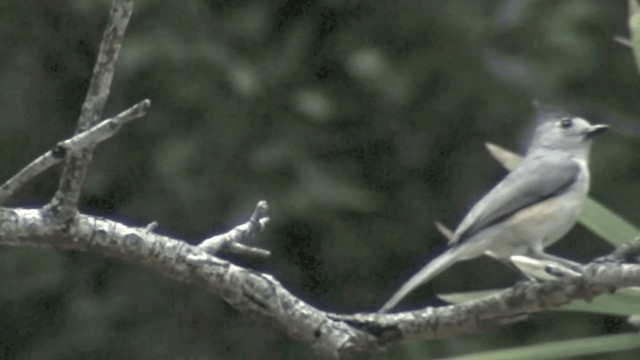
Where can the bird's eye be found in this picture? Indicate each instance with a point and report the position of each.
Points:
(566, 123)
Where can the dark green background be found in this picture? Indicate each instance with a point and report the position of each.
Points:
(361, 122)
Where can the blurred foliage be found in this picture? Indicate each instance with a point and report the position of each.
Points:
(599, 345)
(361, 122)
(634, 30)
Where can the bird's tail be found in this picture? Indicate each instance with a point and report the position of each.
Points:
(431, 270)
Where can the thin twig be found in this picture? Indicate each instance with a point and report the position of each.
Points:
(89, 138)
(65, 201)
(625, 253)
(151, 227)
(231, 240)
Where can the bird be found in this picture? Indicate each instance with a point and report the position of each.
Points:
(531, 208)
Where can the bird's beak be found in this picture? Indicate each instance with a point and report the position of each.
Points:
(596, 130)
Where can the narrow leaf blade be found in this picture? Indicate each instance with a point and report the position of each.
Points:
(607, 224)
(563, 349)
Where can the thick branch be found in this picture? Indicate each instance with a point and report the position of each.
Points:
(65, 201)
(89, 138)
(257, 293)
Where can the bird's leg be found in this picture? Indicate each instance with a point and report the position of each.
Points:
(541, 255)
(524, 277)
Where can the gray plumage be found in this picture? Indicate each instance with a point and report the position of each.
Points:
(547, 176)
(531, 208)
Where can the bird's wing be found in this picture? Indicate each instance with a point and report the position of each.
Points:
(535, 180)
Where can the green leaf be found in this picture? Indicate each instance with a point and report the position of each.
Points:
(562, 349)
(624, 302)
(508, 159)
(607, 224)
(634, 29)
(595, 216)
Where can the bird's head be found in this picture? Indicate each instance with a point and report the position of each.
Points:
(558, 130)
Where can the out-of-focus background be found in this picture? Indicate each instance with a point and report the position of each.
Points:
(361, 122)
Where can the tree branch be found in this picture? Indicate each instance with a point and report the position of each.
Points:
(64, 204)
(231, 241)
(89, 138)
(629, 252)
(331, 335)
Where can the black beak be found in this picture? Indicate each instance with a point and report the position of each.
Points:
(596, 130)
